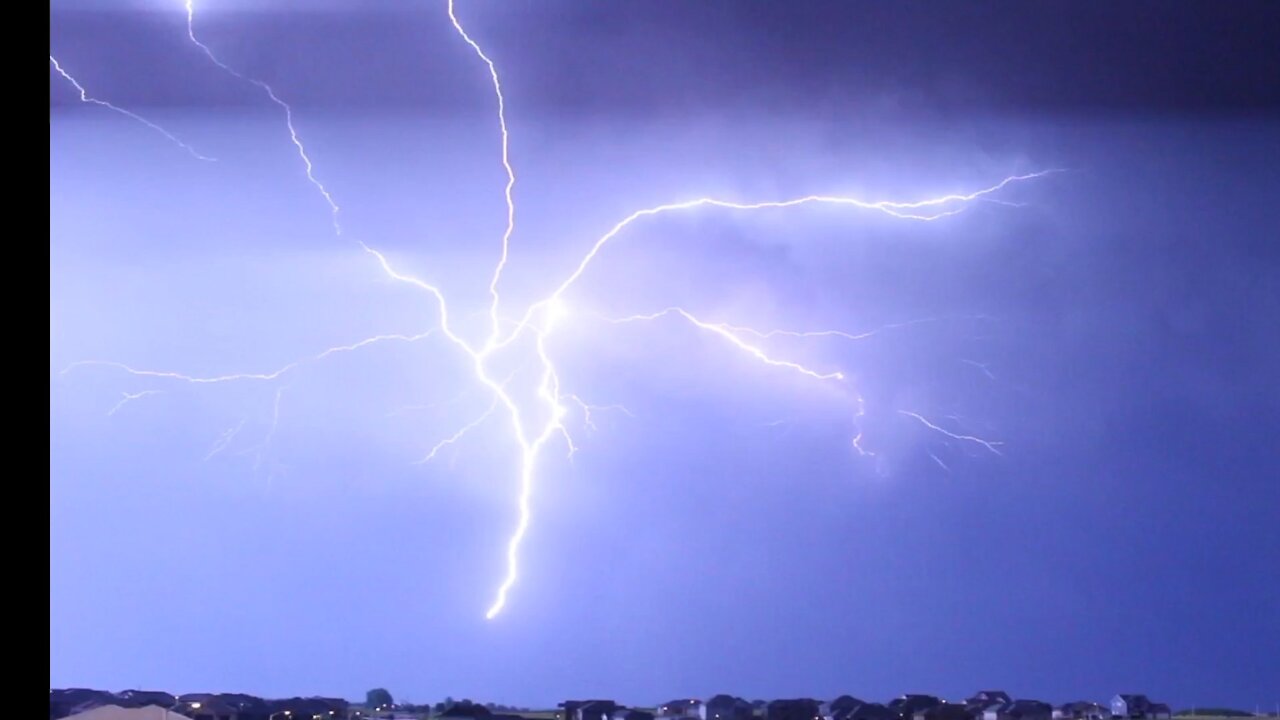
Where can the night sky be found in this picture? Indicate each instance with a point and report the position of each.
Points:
(1113, 325)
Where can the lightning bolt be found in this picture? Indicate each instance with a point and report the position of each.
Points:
(85, 98)
(224, 440)
(728, 333)
(458, 435)
(128, 397)
(533, 427)
(988, 444)
(938, 460)
(766, 334)
(553, 306)
(857, 418)
(981, 366)
(288, 114)
(587, 409)
(506, 164)
(905, 210)
(273, 375)
(261, 449)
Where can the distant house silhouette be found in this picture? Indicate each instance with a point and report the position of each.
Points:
(870, 711)
(682, 708)
(587, 710)
(631, 714)
(943, 711)
(840, 708)
(726, 707)
(222, 706)
(143, 698)
(797, 709)
(1138, 706)
(1082, 710)
(70, 701)
(989, 697)
(906, 706)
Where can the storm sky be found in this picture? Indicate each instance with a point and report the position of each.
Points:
(1113, 325)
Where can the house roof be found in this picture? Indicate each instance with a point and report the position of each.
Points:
(225, 703)
(1018, 708)
(116, 712)
(153, 697)
(76, 695)
(845, 702)
(911, 703)
(942, 710)
(870, 711)
(807, 703)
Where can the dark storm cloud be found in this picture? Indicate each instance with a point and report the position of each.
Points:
(667, 58)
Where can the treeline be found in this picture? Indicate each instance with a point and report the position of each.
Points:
(380, 698)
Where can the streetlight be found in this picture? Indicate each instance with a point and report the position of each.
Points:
(286, 713)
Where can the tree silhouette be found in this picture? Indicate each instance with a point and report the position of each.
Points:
(378, 697)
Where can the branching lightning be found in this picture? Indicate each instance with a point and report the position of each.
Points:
(288, 114)
(988, 444)
(588, 408)
(981, 366)
(85, 98)
(224, 440)
(728, 333)
(273, 375)
(938, 460)
(128, 397)
(458, 435)
(261, 449)
(534, 426)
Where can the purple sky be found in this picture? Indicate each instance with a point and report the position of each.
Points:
(1113, 327)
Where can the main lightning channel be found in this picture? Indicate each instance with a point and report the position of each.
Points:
(495, 322)
(540, 318)
(551, 307)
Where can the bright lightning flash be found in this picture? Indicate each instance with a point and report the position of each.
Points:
(533, 427)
